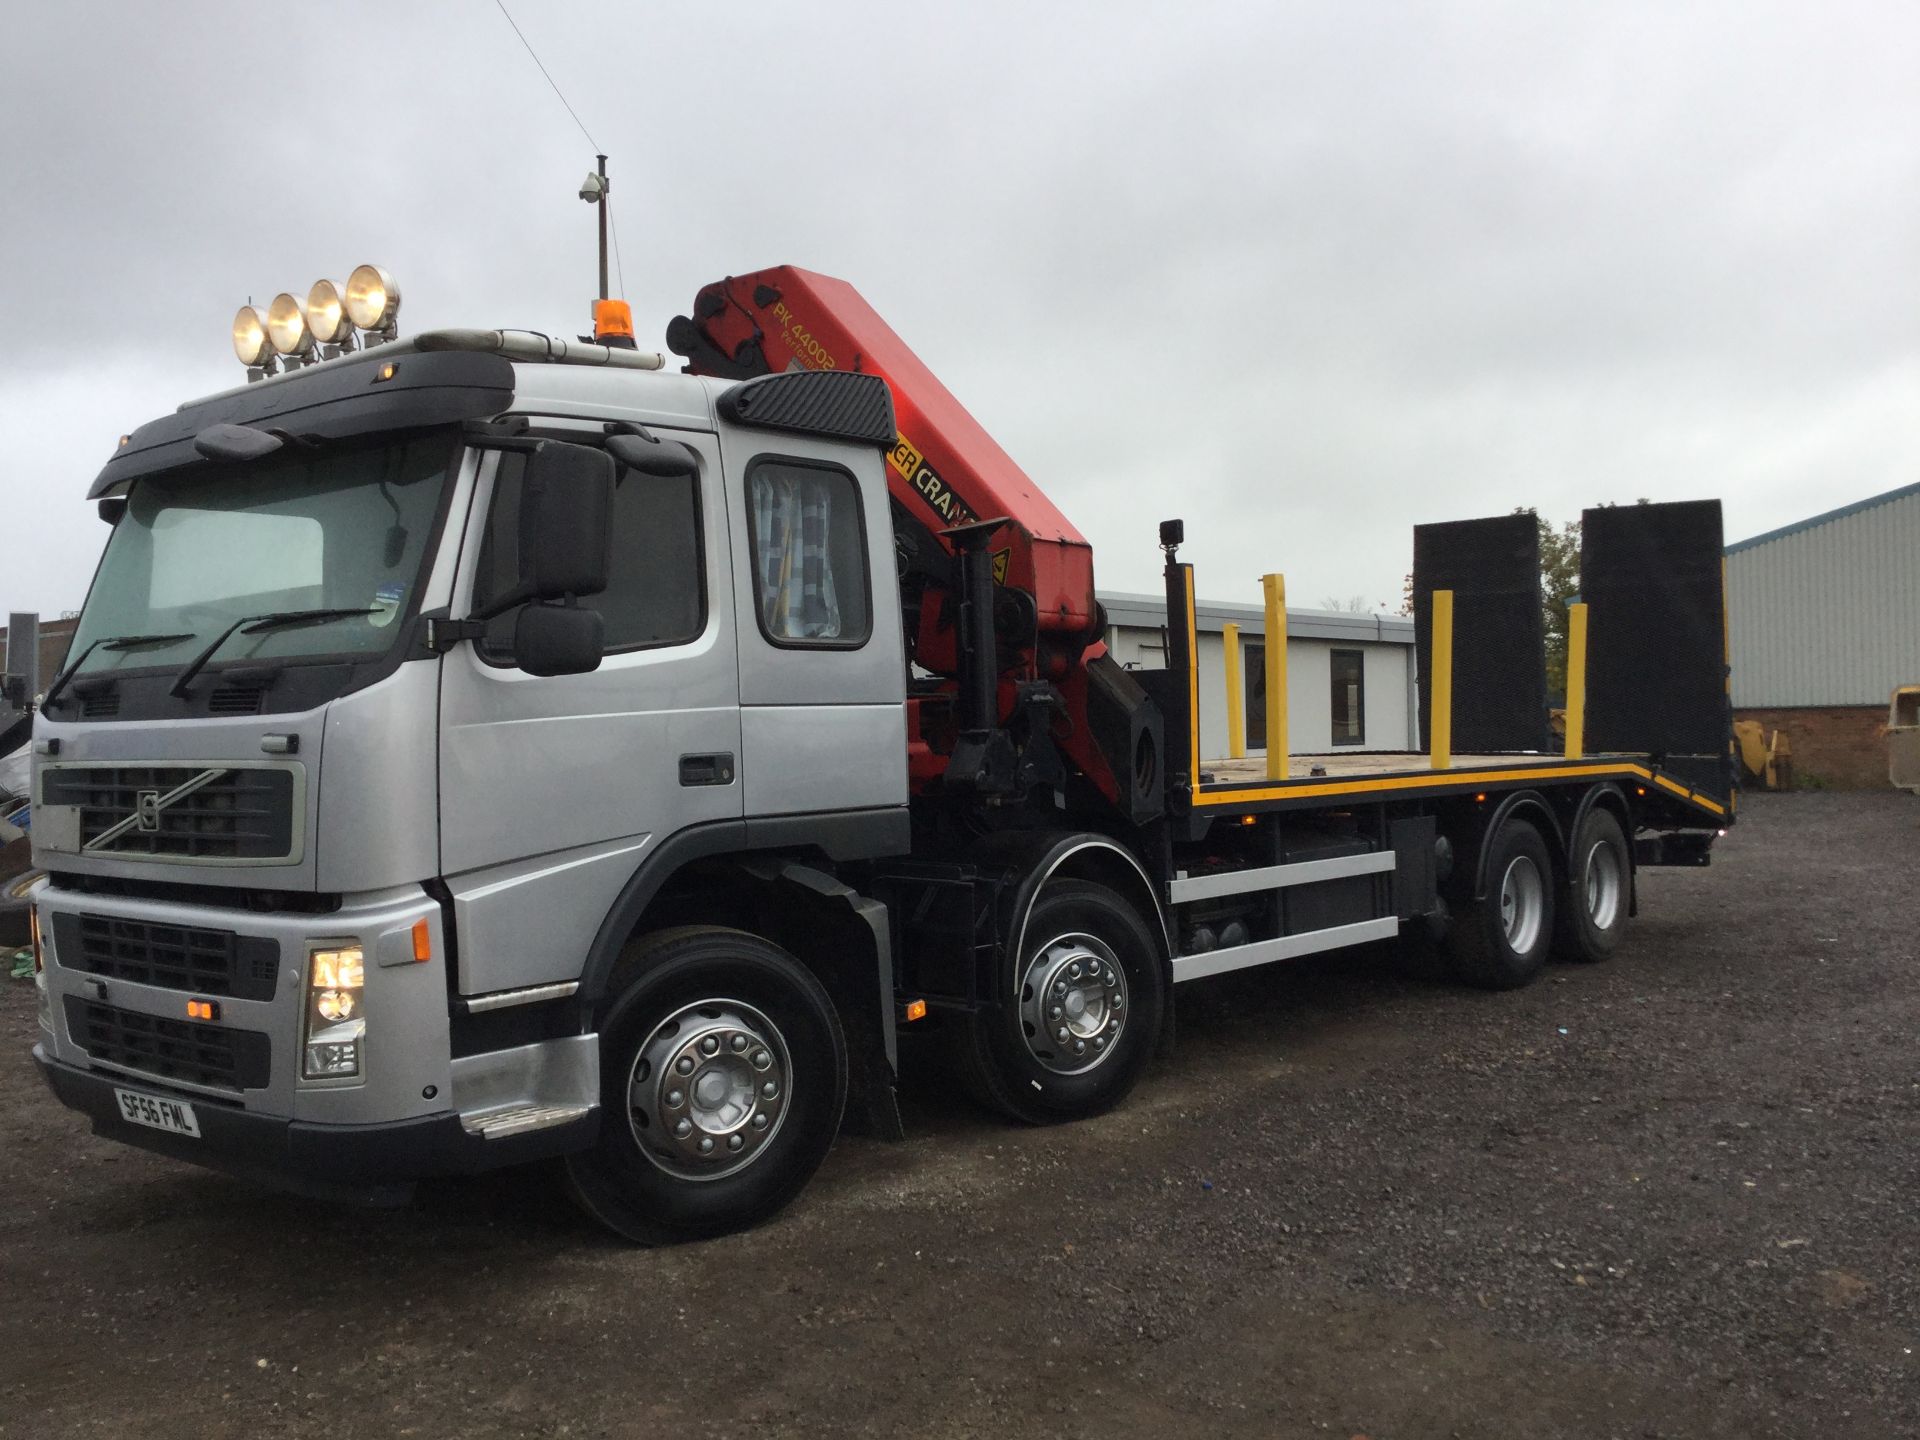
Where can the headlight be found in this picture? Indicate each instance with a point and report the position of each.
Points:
(327, 313)
(250, 340)
(336, 1028)
(373, 300)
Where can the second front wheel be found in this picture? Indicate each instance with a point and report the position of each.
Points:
(1085, 1012)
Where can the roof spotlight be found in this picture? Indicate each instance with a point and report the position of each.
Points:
(327, 314)
(287, 326)
(250, 340)
(373, 300)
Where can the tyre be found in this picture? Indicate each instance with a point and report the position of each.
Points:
(1500, 941)
(1086, 1011)
(1592, 914)
(723, 1072)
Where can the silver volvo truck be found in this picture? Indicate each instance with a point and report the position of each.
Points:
(482, 748)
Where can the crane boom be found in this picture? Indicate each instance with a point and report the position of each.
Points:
(960, 491)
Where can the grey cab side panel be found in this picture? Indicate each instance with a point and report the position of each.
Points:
(824, 729)
(550, 788)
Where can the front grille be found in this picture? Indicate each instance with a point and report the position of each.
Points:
(174, 957)
(184, 1051)
(229, 814)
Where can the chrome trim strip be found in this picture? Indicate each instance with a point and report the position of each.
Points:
(532, 995)
(1260, 952)
(1278, 877)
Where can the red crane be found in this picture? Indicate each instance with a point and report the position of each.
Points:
(956, 493)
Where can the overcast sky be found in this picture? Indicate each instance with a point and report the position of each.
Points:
(1303, 274)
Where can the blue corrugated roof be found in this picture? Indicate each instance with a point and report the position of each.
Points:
(1827, 518)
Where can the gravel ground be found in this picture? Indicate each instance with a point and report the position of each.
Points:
(1668, 1196)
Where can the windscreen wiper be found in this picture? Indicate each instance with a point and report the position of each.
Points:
(254, 625)
(106, 642)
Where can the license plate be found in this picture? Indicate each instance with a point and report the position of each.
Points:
(173, 1116)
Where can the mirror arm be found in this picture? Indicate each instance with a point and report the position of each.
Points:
(519, 595)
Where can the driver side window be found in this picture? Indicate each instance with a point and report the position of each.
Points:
(656, 585)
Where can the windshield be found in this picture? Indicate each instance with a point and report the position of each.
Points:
(331, 529)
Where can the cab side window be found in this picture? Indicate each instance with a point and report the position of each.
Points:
(809, 544)
(656, 587)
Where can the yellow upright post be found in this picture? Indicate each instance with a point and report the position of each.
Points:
(1275, 588)
(1440, 710)
(1576, 681)
(1236, 697)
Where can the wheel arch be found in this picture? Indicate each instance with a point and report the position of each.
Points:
(707, 876)
(1040, 857)
(1529, 805)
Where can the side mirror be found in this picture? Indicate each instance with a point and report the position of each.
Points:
(558, 639)
(566, 502)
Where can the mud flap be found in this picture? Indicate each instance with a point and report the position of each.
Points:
(826, 917)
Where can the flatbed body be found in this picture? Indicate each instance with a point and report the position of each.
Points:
(1315, 780)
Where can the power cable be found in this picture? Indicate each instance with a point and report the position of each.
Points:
(550, 80)
(613, 223)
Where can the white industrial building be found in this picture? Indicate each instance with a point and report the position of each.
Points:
(1823, 622)
(1350, 678)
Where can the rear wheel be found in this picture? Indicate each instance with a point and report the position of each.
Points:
(1500, 941)
(723, 1073)
(1592, 919)
(1085, 1014)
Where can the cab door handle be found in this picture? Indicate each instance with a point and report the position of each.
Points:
(715, 769)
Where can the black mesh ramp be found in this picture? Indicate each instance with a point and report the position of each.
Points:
(1499, 641)
(1656, 637)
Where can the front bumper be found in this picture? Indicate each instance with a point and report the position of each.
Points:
(371, 1163)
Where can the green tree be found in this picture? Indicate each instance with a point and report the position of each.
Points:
(1559, 583)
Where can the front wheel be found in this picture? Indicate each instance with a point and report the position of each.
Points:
(723, 1072)
(1089, 995)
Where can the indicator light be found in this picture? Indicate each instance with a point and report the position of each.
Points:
(916, 1010)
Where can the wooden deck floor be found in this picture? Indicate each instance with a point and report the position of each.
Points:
(1359, 764)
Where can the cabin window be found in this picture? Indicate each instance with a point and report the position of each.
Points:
(810, 584)
(656, 591)
(1349, 685)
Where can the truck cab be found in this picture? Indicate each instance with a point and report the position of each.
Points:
(404, 686)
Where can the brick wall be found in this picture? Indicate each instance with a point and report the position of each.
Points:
(1843, 746)
(54, 637)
